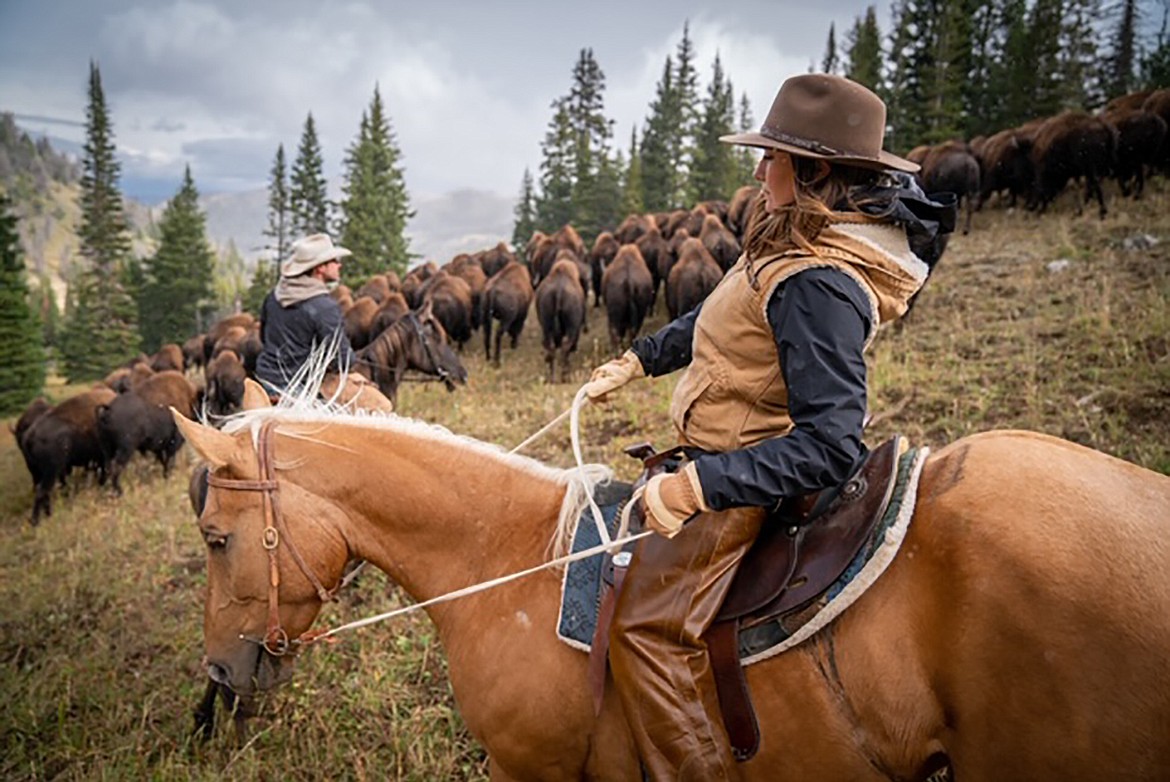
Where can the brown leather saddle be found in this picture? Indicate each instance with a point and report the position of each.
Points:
(804, 547)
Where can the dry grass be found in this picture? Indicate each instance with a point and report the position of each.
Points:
(100, 631)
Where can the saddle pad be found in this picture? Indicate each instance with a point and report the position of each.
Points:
(582, 580)
(581, 586)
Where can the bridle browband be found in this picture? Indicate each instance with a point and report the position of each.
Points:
(275, 641)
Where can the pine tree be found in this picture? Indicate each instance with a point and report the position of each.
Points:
(596, 186)
(905, 105)
(525, 212)
(177, 292)
(22, 355)
(230, 279)
(981, 97)
(686, 85)
(554, 206)
(1120, 66)
(376, 206)
(745, 157)
(714, 174)
(264, 279)
(864, 54)
(1156, 63)
(308, 198)
(1081, 72)
(662, 178)
(1045, 28)
(1015, 70)
(632, 179)
(102, 332)
(279, 212)
(831, 62)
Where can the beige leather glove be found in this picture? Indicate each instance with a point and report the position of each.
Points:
(672, 499)
(612, 375)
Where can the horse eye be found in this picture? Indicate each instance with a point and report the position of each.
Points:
(215, 540)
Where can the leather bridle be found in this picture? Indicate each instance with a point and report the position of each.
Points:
(275, 641)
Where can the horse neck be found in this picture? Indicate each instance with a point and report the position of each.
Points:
(434, 513)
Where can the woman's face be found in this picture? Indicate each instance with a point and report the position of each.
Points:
(776, 174)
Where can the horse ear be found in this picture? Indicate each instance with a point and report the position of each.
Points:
(255, 397)
(213, 446)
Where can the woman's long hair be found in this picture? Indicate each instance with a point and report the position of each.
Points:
(818, 197)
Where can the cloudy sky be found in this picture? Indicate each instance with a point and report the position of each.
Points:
(219, 83)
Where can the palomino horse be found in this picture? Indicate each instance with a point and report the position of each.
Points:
(1022, 633)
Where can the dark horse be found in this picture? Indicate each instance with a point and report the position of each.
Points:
(415, 341)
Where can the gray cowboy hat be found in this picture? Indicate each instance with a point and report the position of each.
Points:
(828, 117)
(309, 253)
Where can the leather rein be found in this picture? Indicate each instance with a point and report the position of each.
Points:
(275, 641)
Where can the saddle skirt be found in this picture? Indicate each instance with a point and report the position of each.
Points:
(759, 639)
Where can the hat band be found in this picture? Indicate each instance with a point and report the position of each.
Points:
(787, 138)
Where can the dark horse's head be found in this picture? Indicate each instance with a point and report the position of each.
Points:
(430, 350)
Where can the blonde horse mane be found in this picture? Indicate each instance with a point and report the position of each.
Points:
(300, 404)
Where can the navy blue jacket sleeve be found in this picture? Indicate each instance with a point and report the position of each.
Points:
(820, 319)
(669, 348)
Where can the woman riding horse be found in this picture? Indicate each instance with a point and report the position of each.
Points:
(773, 399)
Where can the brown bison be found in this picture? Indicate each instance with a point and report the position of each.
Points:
(225, 384)
(128, 425)
(633, 228)
(193, 351)
(358, 320)
(59, 440)
(1159, 103)
(468, 269)
(560, 305)
(1068, 146)
(1006, 164)
(629, 293)
(219, 329)
(393, 308)
(377, 288)
(604, 250)
(719, 241)
(491, 261)
(414, 280)
(450, 297)
(506, 298)
(740, 209)
(655, 251)
(549, 250)
(692, 279)
(951, 167)
(416, 341)
(1141, 136)
(169, 356)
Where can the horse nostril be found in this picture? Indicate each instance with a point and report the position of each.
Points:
(218, 674)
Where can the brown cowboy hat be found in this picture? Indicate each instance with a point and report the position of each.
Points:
(829, 117)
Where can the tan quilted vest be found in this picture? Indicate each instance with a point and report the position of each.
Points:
(732, 394)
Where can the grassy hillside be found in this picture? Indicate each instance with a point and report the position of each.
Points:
(100, 638)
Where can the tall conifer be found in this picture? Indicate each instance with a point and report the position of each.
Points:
(308, 196)
(376, 206)
(662, 177)
(22, 354)
(102, 332)
(1121, 64)
(632, 178)
(525, 212)
(279, 225)
(554, 206)
(864, 51)
(714, 174)
(177, 296)
(831, 61)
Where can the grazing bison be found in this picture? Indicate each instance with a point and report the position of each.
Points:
(357, 321)
(1071, 145)
(560, 305)
(377, 288)
(450, 297)
(719, 241)
(918, 154)
(633, 228)
(655, 251)
(193, 351)
(170, 389)
(629, 293)
(692, 279)
(1134, 100)
(1140, 138)
(466, 268)
(35, 410)
(491, 261)
(1006, 164)
(604, 250)
(169, 356)
(506, 298)
(415, 341)
(951, 167)
(59, 440)
(225, 384)
(740, 209)
(393, 308)
(414, 280)
(548, 251)
(220, 328)
(130, 424)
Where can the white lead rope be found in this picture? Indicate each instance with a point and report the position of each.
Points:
(607, 544)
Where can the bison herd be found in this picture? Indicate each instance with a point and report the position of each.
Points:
(1034, 162)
